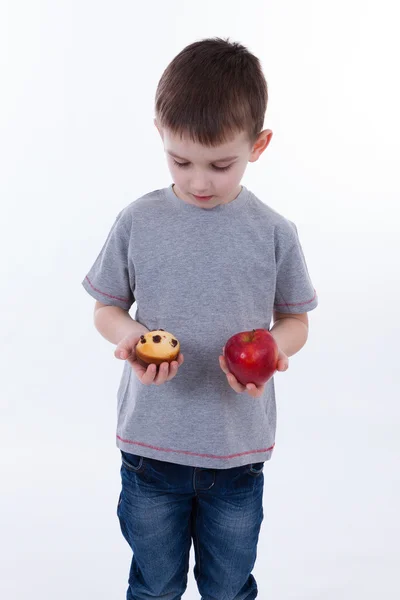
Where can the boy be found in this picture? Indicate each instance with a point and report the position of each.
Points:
(203, 259)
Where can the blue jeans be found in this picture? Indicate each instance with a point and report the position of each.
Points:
(163, 506)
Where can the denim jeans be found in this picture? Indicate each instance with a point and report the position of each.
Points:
(163, 506)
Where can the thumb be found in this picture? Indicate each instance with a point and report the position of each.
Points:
(283, 364)
(122, 351)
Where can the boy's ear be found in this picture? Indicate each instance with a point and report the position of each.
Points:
(261, 144)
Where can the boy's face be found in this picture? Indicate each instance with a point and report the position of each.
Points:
(214, 172)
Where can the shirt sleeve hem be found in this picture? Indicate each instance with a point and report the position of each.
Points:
(297, 307)
(105, 298)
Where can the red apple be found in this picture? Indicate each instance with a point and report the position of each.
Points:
(252, 356)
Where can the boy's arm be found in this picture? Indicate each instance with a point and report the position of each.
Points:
(115, 323)
(290, 331)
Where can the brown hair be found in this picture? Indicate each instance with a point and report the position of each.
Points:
(212, 90)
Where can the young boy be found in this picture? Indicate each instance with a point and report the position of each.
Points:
(204, 259)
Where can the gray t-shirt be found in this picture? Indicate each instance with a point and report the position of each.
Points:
(203, 275)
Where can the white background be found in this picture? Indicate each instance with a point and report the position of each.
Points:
(78, 144)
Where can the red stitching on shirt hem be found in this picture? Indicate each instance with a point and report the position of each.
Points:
(196, 453)
(297, 303)
(104, 294)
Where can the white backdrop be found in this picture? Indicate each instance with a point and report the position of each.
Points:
(78, 144)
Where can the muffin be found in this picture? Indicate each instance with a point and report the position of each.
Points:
(156, 347)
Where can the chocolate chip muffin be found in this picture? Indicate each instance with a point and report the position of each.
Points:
(156, 347)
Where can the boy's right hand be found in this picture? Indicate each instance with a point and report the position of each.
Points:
(125, 350)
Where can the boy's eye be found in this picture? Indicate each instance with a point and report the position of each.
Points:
(183, 165)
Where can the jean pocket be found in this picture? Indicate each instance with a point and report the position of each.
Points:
(256, 469)
(133, 462)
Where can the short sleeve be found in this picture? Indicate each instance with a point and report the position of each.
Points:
(111, 279)
(294, 291)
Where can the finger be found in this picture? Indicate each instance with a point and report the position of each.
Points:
(173, 369)
(162, 374)
(223, 365)
(121, 353)
(125, 352)
(138, 368)
(234, 383)
(149, 374)
(253, 390)
(282, 365)
(174, 366)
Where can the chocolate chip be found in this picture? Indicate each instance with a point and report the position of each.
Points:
(142, 340)
(161, 329)
(156, 339)
(174, 342)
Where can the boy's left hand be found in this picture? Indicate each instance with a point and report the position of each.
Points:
(251, 388)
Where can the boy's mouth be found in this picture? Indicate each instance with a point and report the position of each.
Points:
(202, 198)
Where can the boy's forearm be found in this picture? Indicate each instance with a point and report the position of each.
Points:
(114, 323)
(290, 334)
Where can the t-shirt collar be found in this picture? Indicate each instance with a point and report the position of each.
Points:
(234, 205)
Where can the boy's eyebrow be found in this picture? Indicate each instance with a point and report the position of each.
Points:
(217, 160)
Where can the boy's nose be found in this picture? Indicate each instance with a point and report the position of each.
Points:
(200, 187)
